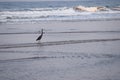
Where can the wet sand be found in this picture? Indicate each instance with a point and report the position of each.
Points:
(68, 51)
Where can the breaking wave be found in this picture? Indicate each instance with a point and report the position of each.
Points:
(63, 13)
(90, 9)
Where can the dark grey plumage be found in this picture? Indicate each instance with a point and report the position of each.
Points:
(40, 37)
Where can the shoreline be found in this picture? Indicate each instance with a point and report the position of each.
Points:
(64, 21)
(38, 22)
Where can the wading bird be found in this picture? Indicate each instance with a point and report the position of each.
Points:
(40, 37)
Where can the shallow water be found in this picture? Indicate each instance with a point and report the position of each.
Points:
(74, 61)
(68, 51)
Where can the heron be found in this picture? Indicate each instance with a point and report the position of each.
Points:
(40, 37)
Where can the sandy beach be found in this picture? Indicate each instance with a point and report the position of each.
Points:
(69, 50)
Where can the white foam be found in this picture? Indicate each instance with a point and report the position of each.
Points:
(63, 13)
(90, 9)
(40, 14)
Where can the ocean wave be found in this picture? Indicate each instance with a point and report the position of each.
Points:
(116, 8)
(63, 13)
(90, 9)
(35, 14)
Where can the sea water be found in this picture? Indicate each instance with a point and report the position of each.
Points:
(22, 12)
(86, 50)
